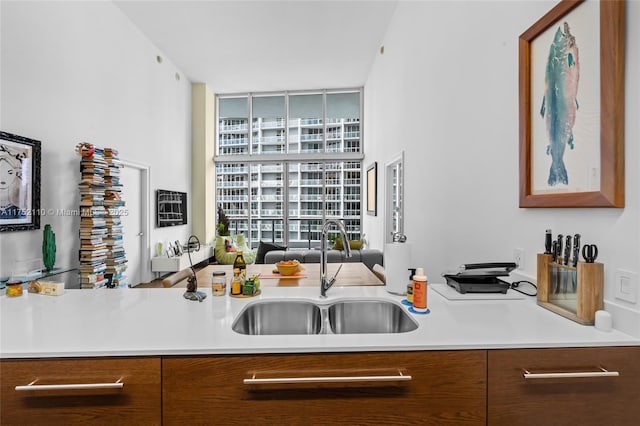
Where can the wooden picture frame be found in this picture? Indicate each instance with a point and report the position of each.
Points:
(372, 189)
(19, 183)
(607, 145)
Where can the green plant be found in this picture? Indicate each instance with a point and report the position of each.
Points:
(48, 247)
(223, 223)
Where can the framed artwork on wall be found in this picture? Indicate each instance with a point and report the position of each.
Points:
(19, 183)
(171, 208)
(571, 106)
(372, 189)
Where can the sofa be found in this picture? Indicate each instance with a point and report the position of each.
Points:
(369, 257)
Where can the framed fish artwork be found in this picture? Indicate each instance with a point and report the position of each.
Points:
(571, 101)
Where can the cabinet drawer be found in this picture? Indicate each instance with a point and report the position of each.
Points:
(582, 388)
(355, 388)
(82, 391)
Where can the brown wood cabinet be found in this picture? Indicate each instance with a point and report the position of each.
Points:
(81, 391)
(563, 386)
(446, 387)
(582, 388)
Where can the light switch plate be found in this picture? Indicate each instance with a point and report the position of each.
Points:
(626, 286)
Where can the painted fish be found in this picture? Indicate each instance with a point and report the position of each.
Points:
(560, 103)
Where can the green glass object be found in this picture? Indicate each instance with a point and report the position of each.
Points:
(48, 248)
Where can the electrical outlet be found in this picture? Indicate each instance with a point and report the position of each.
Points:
(518, 258)
(626, 287)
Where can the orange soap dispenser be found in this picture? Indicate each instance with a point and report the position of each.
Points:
(420, 292)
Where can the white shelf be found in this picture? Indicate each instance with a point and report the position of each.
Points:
(178, 263)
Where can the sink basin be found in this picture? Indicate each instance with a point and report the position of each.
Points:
(369, 316)
(279, 317)
(341, 317)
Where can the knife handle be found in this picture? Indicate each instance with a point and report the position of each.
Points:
(576, 249)
(567, 250)
(559, 248)
(554, 251)
(547, 242)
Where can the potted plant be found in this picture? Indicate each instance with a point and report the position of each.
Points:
(223, 223)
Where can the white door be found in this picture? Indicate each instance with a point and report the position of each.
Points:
(133, 231)
(394, 199)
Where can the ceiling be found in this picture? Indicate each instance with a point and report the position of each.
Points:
(265, 45)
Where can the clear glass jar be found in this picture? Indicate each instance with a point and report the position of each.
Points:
(218, 283)
(14, 288)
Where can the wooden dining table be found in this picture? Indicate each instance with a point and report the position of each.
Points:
(351, 274)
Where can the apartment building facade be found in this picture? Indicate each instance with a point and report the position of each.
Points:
(286, 162)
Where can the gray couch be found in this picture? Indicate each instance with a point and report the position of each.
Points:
(367, 256)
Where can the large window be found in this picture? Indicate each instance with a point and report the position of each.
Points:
(297, 164)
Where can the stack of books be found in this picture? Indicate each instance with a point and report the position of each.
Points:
(93, 224)
(116, 260)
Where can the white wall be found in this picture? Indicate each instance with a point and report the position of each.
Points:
(82, 72)
(446, 92)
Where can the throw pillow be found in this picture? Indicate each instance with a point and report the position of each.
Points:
(353, 244)
(264, 248)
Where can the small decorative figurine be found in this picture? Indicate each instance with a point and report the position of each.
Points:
(85, 149)
(48, 248)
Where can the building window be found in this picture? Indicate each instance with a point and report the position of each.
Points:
(297, 164)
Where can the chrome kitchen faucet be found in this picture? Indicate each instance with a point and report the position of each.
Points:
(326, 284)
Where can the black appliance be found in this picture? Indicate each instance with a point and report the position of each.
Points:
(480, 277)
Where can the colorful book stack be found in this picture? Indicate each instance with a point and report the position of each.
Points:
(93, 225)
(116, 260)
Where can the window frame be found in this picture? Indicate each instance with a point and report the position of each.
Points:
(286, 159)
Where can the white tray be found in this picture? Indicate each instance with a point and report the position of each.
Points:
(451, 294)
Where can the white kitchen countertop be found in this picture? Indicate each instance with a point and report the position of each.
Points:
(138, 322)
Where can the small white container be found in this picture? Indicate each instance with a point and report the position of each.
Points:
(603, 321)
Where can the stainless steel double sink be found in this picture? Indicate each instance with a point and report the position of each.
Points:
(278, 317)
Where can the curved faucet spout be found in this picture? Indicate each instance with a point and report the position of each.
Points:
(325, 284)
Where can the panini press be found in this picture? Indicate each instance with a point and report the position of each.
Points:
(480, 277)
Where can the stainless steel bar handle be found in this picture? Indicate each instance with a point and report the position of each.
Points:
(71, 386)
(578, 374)
(331, 379)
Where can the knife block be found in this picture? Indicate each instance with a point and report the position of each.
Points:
(557, 293)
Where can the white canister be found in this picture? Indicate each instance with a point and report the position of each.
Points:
(397, 261)
(603, 321)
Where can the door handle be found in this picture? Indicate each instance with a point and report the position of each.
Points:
(71, 386)
(329, 379)
(571, 375)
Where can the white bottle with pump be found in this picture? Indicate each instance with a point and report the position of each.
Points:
(420, 291)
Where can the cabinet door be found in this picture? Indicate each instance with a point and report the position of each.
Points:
(445, 388)
(81, 391)
(581, 394)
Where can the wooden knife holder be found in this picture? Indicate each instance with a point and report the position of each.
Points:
(557, 292)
